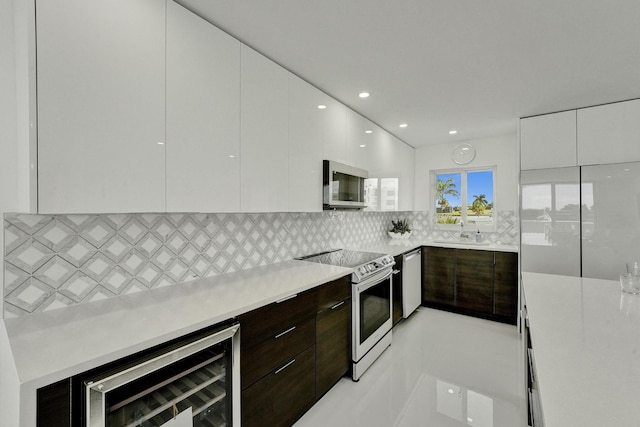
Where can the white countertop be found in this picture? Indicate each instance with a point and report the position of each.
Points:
(50, 346)
(585, 335)
(396, 247)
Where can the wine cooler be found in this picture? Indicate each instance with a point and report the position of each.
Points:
(190, 383)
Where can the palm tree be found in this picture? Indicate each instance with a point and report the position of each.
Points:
(445, 188)
(479, 204)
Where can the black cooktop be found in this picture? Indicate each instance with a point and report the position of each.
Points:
(343, 257)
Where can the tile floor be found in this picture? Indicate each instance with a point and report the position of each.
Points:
(442, 369)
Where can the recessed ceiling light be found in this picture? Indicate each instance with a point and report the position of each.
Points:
(160, 143)
(368, 131)
(453, 132)
(322, 107)
(364, 94)
(403, 125)
(231, 156)
(363, 145)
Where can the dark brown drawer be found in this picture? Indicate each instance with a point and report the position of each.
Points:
(258, 360)
(283, 396)
(265, 322)
(333, 346)
(333, 292)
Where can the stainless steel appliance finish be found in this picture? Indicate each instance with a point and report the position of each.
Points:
(201, 377)
(371, 292)
(343, 186)
(411, 282)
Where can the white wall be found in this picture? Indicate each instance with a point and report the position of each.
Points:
(8, 193)
(499, 151)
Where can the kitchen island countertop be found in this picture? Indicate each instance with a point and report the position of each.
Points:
(585, 335)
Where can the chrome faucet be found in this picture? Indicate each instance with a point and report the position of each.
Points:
(463, 235)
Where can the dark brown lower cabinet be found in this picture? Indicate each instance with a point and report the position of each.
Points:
(438, 284)
(396, 314)
(293, 352)
(281, 397)
(506, 288)
(54, 404)
(333, 346)
(470, 281)
(474, 280)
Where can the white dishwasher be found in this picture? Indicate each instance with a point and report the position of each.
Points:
(411, 282)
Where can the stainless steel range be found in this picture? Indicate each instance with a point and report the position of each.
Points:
(371, 293)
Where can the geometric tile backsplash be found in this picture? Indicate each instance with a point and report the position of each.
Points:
(52, 261)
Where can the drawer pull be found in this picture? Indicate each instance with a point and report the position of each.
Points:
(285, 366)
(396, 271)
(286, 298)
(285, 332)
(337, 305)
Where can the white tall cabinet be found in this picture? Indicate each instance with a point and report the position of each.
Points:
(264, 129)
(548, 141)
(101, 106)
(580, 220)
(609, 133)
(203, 115)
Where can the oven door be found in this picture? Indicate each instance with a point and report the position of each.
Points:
(371, 312)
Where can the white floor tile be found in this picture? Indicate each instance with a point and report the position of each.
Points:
(442, 369)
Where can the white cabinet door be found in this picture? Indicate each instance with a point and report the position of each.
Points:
(550, 221)
(101, 106)
(203, 115)
(609, 133)
(406, 178)
(306, 136)
(360, 140)
(335, 128)
(548, 141)
(264, 153)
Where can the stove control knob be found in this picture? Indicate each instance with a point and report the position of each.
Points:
(363, 270)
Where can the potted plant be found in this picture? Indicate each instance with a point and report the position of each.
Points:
(400, 229)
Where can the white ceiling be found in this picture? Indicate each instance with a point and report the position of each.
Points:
(471, 65)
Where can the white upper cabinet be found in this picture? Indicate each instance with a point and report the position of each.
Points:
(203, 115)
(548, 141)
(390, 162)
(335, 129)
(406, 175)
(101, 106)
(359, 140)
(306, 136)
(264, 131)
(609, 133)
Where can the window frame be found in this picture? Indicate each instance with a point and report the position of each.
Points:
(463, 199)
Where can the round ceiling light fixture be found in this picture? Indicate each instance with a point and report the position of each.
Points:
(364, 94)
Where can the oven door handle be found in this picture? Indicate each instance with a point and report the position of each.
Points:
(374, 280)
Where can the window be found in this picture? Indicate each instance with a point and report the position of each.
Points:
(465, 196)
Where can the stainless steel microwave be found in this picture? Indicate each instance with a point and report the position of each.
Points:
(343, 186)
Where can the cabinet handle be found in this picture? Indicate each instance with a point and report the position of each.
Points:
(285, 366)
(396, 271)
(285, 332)
(337, 305)
(286, 298)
